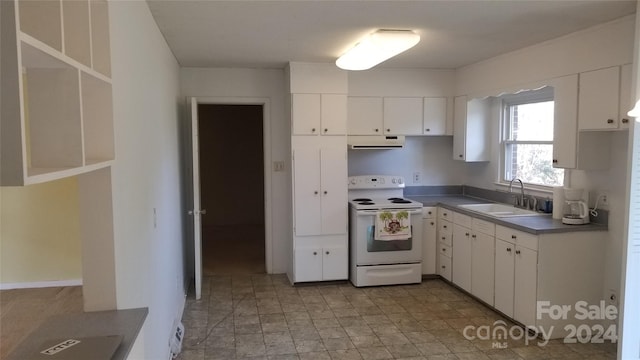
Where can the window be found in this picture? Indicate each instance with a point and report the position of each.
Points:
(527, 139)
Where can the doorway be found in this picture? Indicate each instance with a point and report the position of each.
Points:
(231, 161)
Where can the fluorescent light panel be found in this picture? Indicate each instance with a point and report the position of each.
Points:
(376, 48)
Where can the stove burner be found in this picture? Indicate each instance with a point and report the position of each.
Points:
(395, 198)
(401, 201)
(361, 199)
(366, 203)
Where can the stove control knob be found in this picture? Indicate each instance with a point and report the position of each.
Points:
(400, 181)
(393, 180)
(353, 181)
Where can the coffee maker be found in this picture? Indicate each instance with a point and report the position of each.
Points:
(575, 210)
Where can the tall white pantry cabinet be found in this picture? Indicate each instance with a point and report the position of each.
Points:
(318, 105)
(56, 109)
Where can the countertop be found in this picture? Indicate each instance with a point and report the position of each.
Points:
(114, 322)
(540, 224)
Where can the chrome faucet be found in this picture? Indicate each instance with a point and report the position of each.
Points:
(519, 201)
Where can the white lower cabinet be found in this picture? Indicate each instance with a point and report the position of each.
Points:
(461, 257)
(321, 263)
(429, 236)
(482, 260)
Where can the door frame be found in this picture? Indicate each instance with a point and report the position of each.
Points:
(266, 150)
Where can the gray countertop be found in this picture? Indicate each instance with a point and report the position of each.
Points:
(540, 224)
(87, 324)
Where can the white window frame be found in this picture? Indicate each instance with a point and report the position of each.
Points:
(526, 97)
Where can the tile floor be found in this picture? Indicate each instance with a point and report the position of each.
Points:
(264, 317)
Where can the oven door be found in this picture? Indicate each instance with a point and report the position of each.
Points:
(373, 252)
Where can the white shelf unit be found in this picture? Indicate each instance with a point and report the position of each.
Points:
(57, 117)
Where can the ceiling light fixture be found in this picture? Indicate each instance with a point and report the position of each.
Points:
(376, 48)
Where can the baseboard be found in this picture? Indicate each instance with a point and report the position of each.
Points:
(40, 284)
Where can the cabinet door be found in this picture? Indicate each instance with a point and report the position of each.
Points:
(461, 258)
(335, 263)
(306, 191)
(402, 116)
(482, 266)
(525, 289)
(565, 133)
(504, 277)
(333, 190)
(364, 116)
(459, 126)
(625, 95)
(428, 246)
(333, 114)
(599, 99)
(434, 116)
(308, 264)
(305, 114)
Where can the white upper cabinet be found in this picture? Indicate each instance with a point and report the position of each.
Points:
(411, 116)
(314, 114)
(598, 105)
(471, 129)
(402, 115)
(626, 103)
(364, 116)
(57, 120)
(434, 120)
(605, 99)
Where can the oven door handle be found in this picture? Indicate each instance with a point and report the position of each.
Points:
(373, 212)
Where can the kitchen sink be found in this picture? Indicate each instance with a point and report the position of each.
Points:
(500, 210)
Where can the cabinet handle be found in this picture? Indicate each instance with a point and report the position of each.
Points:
(473, 236)
(377, 130)
(460, 156)
(325, 130)
(427, 129)
(609, 121)
(315, 193)
(429, 212)
(444, 214)
(444, 267)
(325, 192)
(444, 226)
(432, 223)
(443, 238)
(466, 234)
(315, 253)
(327, 252)
(444, 249)
(518, 252)
(313, 130)
(513, 236)
(508, 249)
(624, 121)
(555, 161)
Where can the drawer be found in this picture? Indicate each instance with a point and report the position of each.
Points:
(445, 227)
(482, 226)
(429, 212)
(444, 267)
(461, 219)
(445, 238)
(444, 249)
(517, 237)
(445, 214)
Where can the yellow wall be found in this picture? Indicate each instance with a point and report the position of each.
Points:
(40, 232)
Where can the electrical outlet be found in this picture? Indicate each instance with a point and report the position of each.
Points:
(278, 166)
(416, 178)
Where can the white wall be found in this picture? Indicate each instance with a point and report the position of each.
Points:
(146, 173)
(429, 155)
(256, 83)
(601, 46)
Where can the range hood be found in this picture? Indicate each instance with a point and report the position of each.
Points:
(363, 142)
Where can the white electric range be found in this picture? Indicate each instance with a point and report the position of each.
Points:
(382, 262)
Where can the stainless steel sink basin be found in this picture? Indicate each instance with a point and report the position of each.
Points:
(499, 210)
